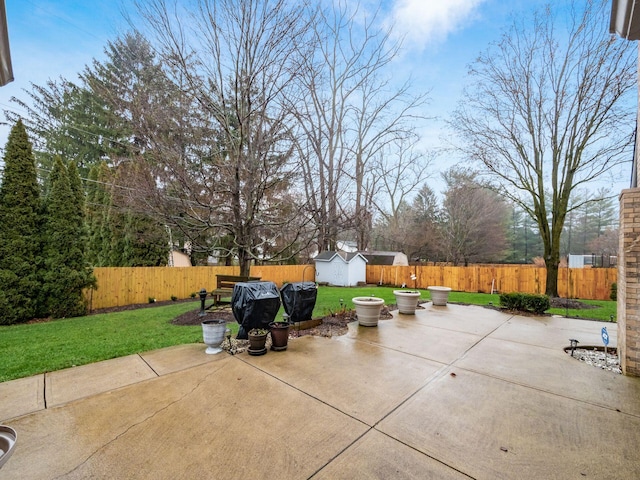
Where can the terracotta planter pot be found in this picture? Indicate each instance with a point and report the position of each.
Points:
(368, 310)
(439, 295)
(213, 335)
(279, 335)
(407, 301)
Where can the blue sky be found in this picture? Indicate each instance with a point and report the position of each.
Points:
(53, 38)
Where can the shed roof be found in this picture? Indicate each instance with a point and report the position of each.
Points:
(346, 257)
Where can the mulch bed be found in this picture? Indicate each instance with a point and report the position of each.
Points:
(557, 302)
(332, 325)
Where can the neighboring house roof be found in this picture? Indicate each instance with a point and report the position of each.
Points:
(179, 259)
(625, 19)
(383, 257)
(346, 246)
(344, 256)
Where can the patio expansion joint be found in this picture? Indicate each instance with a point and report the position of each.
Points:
(134, 425)
(148, 365)
(307, 394)
(436, 375)
(44, 390)
(549, 392)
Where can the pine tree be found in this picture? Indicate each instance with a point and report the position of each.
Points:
(66, 274)
(99, 233)
(19, 230)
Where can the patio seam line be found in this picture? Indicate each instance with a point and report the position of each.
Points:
(134, 425)
(148, 364)
(548, 392)
(307, 394)
(44, 390)
(429, 380)
(322, 467)
(302, 391)
(425, 454)
(533, 344)
(450, 364)
(436, 375)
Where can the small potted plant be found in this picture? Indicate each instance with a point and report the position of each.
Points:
(368, 310)
(279, 334)
(407, 301)
(257, 340)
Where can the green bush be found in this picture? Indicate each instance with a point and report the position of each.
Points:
(613, 295)
(525, 302)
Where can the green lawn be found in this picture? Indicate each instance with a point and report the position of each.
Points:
(42, 347)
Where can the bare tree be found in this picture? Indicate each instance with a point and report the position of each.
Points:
(400, 170)
(473, 221)
(348, 112)
(546, 113)
(228, 174)
(607, 243)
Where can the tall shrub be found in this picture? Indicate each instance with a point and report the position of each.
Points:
(66, 273)
(19, 230)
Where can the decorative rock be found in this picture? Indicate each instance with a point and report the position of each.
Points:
(596, 358)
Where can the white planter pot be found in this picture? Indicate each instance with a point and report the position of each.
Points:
(368, 310)
(213, 334)
(407, 301)
(439, 295)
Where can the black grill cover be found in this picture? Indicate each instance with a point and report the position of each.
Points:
(254, 305)
(299, 299)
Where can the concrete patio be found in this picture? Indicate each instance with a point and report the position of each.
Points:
(452, 392)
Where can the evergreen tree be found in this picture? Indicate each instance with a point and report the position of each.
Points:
(100, 234)
(146, 243)
(66, 275)
(19, 232)
(75, 182)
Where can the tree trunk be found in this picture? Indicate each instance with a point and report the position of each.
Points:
(552, 279)
(244, 260)
(552, 260)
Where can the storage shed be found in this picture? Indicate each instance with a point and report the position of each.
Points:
(341, 269)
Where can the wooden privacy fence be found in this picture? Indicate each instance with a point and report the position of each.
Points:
(585, 283)
(119, 286)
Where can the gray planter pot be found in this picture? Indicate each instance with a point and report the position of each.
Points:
(368, 310)
(439, 295)
(407, 301)
(213, 335)
(8, 437)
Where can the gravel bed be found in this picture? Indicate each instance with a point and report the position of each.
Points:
(596, 358)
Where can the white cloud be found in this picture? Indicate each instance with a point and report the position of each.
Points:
(427, 22)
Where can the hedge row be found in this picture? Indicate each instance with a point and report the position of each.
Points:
(525, 302)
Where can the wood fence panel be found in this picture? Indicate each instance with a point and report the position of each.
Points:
(281, 274)
(118, 286)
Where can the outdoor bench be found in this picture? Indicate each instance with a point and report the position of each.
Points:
(225, 284)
